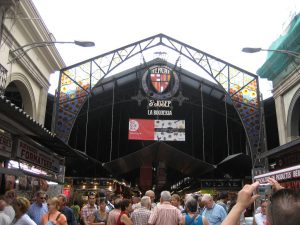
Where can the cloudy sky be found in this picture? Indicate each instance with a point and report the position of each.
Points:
(221, 28)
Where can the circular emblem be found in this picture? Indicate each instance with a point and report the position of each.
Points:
(133, 125)
(160, 82)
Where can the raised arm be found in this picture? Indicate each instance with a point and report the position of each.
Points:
(245, 198)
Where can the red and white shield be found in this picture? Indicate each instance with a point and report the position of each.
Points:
(160, 82)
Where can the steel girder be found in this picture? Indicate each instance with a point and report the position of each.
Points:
(76, 83)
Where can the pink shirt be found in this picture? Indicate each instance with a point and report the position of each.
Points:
(165, 214)
(113, 216)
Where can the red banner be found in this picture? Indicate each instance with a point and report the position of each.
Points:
(140, 129)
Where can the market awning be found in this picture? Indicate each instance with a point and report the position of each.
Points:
(282, 149)
(160, 152)
(18, 123)
(236, 163)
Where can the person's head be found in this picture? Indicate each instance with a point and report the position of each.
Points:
(263, 205)
(146, 202)
(53, 205)
(62, 200)
(10, 196)
(135, 200)
(165, 196)
(175, 200)
(2, 204)
(191, 205)
(92, 198)
(40, 197)
(151, 195)
(126, 205)
(208, 200)
(223, 196)
(117, 203)
(20, 205)
(284, 208)
(102, 205)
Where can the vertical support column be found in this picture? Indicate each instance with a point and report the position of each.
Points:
(41, 108)
(281, 119)
(146, 177)
(161, 175)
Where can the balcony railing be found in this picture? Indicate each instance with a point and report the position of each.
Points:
(3, 76)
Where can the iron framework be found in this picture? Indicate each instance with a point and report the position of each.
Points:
(77, 82)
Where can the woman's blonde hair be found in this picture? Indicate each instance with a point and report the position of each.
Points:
(22, 203)
(54, 201)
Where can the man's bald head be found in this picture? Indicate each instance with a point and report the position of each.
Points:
(150, 194)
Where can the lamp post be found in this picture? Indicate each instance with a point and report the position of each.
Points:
(25, 48)
(288, 52)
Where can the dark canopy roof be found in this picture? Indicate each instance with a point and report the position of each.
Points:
(173, 158)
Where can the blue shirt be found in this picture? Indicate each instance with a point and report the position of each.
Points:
(197, 220)
(215, 215)
(36, 211)
(68, 212)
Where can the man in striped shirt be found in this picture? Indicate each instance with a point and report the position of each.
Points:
(141, 215)
(165, 213)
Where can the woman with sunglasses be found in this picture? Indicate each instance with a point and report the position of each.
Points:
(54, 217)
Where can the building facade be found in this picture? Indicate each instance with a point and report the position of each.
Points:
(283, 71)
(25, 74)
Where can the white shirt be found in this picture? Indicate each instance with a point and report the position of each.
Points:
(4, 219)
(260, 219)
(9, 210)
(23, 220)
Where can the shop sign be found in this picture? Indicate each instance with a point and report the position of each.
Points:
(5, 145)
(33, 155)
(221, 183)
(279, 175)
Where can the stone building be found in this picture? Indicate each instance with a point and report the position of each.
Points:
(25, 74)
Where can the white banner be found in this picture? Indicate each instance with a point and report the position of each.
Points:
(169, 130)
(35, 156)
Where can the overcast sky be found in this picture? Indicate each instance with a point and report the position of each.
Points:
(221, 28)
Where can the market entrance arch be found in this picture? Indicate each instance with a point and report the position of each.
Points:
(79, 82)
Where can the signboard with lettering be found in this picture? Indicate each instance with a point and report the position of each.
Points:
(5, 145)
(37, 157)
(280, 175)
(159, 108)
(158, 130)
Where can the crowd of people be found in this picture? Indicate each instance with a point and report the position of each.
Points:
(281, 208)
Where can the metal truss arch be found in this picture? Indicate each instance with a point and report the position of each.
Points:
(77, 82)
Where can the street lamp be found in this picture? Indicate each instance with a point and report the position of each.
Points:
(254, 50)
(28, 47)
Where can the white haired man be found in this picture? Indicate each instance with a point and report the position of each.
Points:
(165, 213)
(214, 213)
(140, 216)
(151, 195)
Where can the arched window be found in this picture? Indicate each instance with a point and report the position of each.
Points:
(293, 122)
